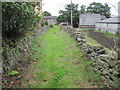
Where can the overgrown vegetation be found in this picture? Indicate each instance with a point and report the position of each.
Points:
(19, 21)
(22, 19)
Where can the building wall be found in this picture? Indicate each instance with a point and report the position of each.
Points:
(51, 21)
(88, 21)
(112, 28)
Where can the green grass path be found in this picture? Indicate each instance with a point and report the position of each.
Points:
(58, 63)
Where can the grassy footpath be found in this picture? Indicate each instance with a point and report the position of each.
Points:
(58, 63)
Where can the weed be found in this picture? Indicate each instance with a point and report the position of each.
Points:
(13, 72)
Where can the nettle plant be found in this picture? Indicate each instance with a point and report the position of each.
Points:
(18, 18)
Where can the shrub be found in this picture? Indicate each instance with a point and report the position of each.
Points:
(46, 23)
(51, 26)
(42, 24)
(18, 18)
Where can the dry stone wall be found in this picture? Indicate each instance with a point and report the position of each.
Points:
(15, 54)
(106, 63)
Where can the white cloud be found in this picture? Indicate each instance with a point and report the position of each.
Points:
(53, 6)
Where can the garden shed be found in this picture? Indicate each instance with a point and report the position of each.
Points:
(109, 25)
(88, 20)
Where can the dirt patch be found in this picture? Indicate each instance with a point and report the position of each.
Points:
(69, 48)
(103, 40)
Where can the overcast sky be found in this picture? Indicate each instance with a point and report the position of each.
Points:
(53, 6)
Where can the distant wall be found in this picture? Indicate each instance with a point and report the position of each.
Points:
(104, 62)
(88, 21)
(108, 27)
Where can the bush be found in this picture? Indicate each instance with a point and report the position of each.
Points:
(18, 18)
(42, 24)
(46, 23)
(18, 22)
(51, 26)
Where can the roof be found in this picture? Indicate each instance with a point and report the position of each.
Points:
(110, 20)
(90, 15)
(50, 17)
(103, 17)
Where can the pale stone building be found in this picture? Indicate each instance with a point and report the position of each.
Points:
(50, 20)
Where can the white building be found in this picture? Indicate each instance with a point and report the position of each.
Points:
(111, 25)
(88, 20)
(50, 19)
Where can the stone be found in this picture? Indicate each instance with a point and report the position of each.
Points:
(106, 65)
(113, 63)
(79, 44)
(105, 57)
(115, 73)
(117, 68)
(115, 79)
(110, 71)
(93, 54)
(105, 72)
(102, 51)
(97, 48)
(89, 49)
(113, 84)
(79, 39)
(83, 40)
(107, 76)
(118, 52)
(114, 56)
(99, 62)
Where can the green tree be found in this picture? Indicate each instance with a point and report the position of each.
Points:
(22, 19)
(46, 13)
(65, 15)
(99, 8)
(60, 19)
(82, 9)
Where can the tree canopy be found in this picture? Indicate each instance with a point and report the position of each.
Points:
(22, 19)
(65, 15)
(99, 8)
(82, 9)
(94, 7)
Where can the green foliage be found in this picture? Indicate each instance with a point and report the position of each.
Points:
(51, 26)
(46, 13)
(82, 9)
(46, 23)
(42, 24)
(66, 15)
(18, 18)
(99, 8)
(14, 72)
